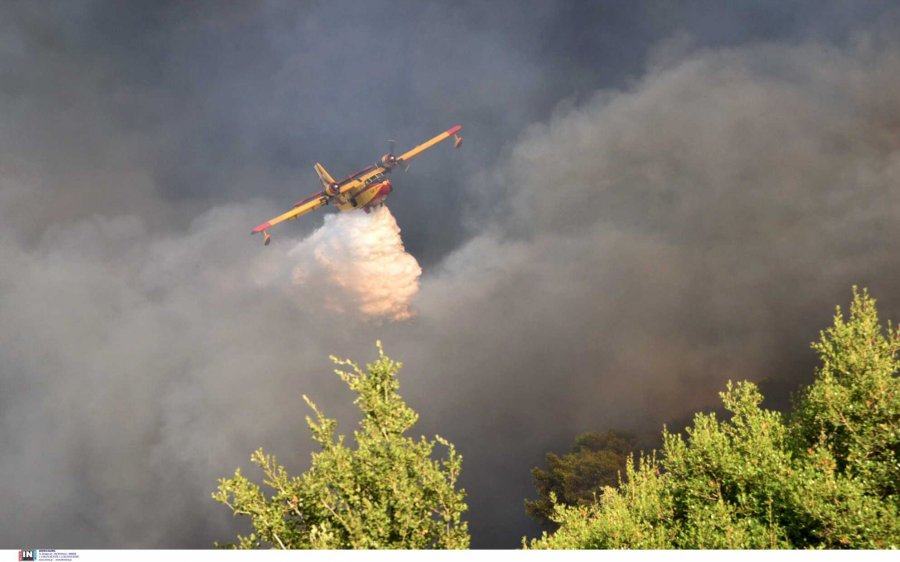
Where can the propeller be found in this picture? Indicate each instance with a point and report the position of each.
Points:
(390, 160)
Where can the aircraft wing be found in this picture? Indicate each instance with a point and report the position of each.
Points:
(305, 206)
(404, 158)
(409, 155)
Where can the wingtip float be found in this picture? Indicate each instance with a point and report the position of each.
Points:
(366, 189)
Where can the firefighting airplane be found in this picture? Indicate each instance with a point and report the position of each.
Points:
(366, 189)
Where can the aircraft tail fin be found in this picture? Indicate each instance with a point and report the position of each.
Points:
(326, 178)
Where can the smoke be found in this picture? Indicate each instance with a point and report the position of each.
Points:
(604, 264)
(361, 258)
(645, 246)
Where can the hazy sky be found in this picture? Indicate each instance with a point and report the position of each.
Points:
(652, 198)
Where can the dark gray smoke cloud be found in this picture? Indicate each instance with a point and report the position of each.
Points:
(650, 201)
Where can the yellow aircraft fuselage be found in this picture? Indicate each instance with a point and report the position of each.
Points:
(366, 197)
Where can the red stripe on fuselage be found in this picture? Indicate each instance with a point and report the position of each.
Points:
(384, 188)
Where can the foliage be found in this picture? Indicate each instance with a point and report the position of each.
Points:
(854, 404)
(597, 460)
(388, 492)
(825, 479)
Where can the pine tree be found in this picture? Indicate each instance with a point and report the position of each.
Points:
(576, 478)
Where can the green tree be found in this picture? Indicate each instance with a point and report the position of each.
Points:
(577, 478)
(388, 492)
(853, 407)
(826, 479)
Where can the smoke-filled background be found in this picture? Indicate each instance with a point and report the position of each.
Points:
(653, 198)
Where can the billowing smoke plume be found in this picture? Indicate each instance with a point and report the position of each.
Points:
(359, 260)
(607, 264)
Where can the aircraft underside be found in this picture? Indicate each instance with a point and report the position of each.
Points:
(368, 197)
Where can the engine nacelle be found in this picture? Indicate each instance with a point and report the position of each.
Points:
(332, 189)
(388, 161)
